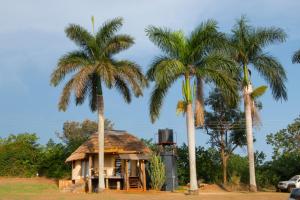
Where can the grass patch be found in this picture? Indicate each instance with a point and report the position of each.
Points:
(25, 188)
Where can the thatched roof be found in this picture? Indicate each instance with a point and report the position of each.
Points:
(114, 142)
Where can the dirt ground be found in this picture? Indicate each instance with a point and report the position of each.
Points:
(45, 189)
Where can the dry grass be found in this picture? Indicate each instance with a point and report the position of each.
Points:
(44, 189)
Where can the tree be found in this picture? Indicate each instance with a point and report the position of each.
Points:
(191, 58)
(286, 140)
(224, 124)
(75, 133)
(52, 162)
(248, 45)
(296, 57)
(19, 155)
(94, 66)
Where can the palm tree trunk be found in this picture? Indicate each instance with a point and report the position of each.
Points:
(101, 141)
(199, 103)
(190, 123)
(248, 117)
(224, 159)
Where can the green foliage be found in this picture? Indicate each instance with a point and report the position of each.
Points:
(19, 155)
(93, 65)
(238, 166)
(157, 172)
(22, 156)
(296, 57)
(208, 165)
(286, 140)
(258, 92)
(224, 124)
(52, 163)
(198, 55)
(75, 133)
(247, 46)
(151, 145)
(183, 164)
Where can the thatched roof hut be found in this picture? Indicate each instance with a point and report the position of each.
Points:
(119, 142)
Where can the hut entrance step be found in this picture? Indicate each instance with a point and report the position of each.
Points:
(135, 183)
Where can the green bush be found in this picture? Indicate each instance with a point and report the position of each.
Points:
(19, 155)
(157, 173)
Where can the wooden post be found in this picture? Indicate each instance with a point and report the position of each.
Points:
(107, 183)
(90, 173)
(144, 175)
(126, 175)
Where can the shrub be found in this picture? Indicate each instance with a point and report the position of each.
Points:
(157, 172)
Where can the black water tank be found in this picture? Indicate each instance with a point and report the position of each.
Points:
(165, 136)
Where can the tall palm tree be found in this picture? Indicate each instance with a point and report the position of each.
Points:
(93, 66)
(192, 57)
(248, 50)
(296, 57)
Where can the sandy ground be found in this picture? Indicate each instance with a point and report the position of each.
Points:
(26, 189)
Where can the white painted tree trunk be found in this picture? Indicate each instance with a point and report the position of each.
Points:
(199, 103)
(101, 142)
(190, 123)
(248, 117)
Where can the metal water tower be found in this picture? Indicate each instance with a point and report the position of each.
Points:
(167, 151)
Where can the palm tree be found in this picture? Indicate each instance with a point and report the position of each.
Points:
(296, 57)
(93, 66)
(188, 58)
(247, 47)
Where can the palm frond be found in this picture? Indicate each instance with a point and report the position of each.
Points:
(205, 38)
(170, 42)
(122, 87)
(156, 101)
(265, 36)
(79, 35)
(258, 92)
(81, 81)
(93, 91)
(68, 64)
(181, 107)
(131, 72)
(165, 70)
(107, 70)
(219, 60)
(273, 72)
(296, 57)
(223, 81)
(117, 44)
(108, 30)
(65, 95)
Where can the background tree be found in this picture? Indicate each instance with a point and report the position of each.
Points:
(19, 155)
(75, 133)
(52, 161)
(225, 126)
(296, 57)
(94, 66)
(188, 58)
(248, 45)
(286, 140)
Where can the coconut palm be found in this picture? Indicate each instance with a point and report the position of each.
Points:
(248, 45)
(296, 57)
(93, 67)
(189, 58)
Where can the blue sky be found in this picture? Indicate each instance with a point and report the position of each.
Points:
(32, 39)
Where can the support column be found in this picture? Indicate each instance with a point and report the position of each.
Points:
(126, 175)
(90, 173)
(143, 169)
